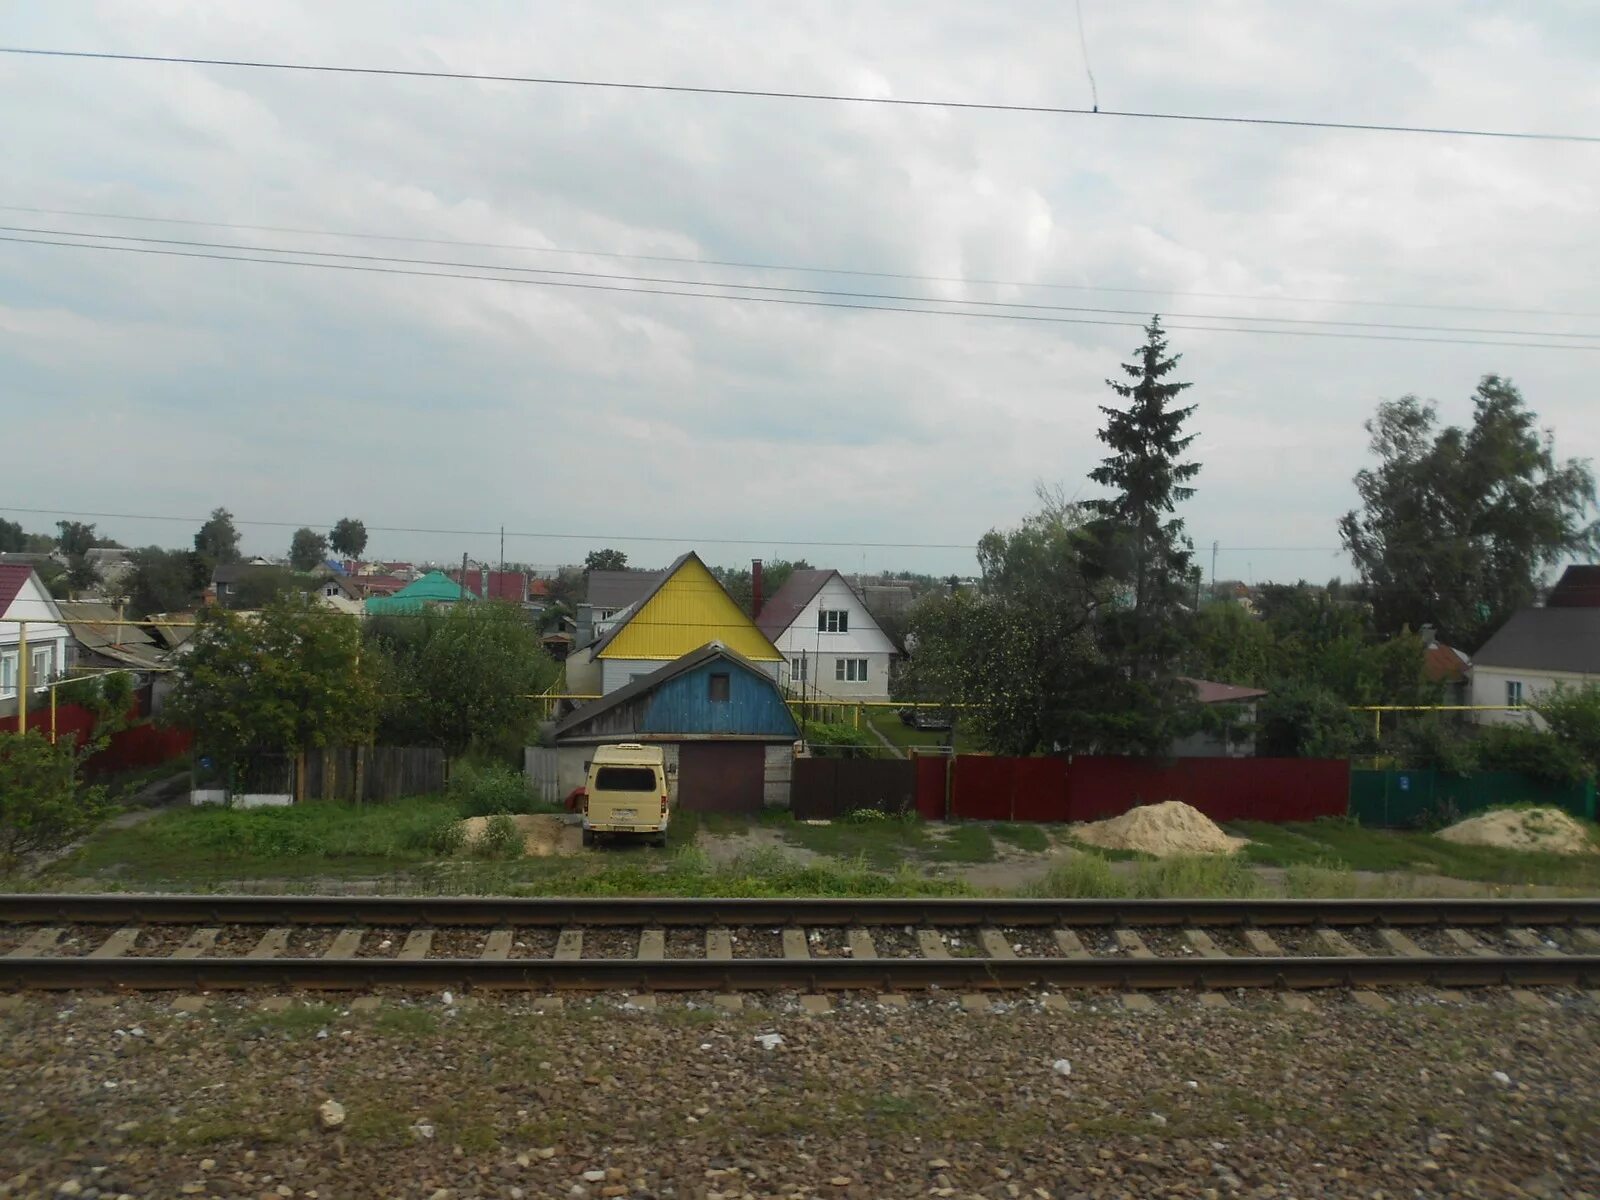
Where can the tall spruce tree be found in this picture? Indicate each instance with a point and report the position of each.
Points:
(1140, 545)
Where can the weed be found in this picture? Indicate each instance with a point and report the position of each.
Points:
(500, 838)
(298, 1020)
(482, 790)
(1024, 837)
(1193, 875)
(963, 844)
(406, 1022)
(1326, 880)
(1082, 876)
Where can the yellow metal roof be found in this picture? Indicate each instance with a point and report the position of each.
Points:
(688, 609)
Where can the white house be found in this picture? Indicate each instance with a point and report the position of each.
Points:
(23, 597)
(832, 647)
(1536, 650)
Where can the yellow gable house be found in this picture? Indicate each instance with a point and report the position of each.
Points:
(683, 610)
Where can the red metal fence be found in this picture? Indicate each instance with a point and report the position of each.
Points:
(141, 744)
(986, 788)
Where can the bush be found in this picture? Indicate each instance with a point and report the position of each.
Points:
(488, 789)
(1533, 752)
(838, 741)
(445, 838)
(1573, 715)
(1432, 743)
(500, 838)
(43, 806)
(1301, 720)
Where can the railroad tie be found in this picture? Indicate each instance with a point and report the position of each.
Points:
(37, 944)
(861, 944)
(569, 945)
(497, 945)
(653, 944)
(1203, 944)
(345, 944)
(1261, 942)
(719, 944)
(417, 945)
(794, 944)
(994, 944)
(1587, 938)
(931, 944)
(118, 944)
(1527, 939)
(198, 944)
(1401, 944)
(1130, 941)
(1070, 944)
(1335, 942)
(1466, 943)
(272, 944)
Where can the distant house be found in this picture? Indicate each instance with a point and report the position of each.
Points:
(682, 609)
(111, 564)
(1445, 668)
(1539, 649)
(720, 718)
(1233, 737)
(100, 638)
(23, 597)
(833, 648)
(495, 585)
(607, 594)
(339, 592)
(433, 589)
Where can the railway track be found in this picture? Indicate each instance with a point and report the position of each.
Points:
(219, 942)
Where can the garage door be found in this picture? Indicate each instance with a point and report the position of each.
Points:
(721, 776)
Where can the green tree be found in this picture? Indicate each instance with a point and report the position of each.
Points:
(605, 560)
(260, 586)
(288, 680)
(165, 580)
(1573, 715)
(348, 537)
(1457, 527)
(12, 538)
(307, 549)
(1306, 720)
(1140, 549)
(218, 540)
(75, 539)
(43, 804)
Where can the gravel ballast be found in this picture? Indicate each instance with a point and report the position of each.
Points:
(504, 1097)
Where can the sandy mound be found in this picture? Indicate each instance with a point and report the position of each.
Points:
(542, 835)
(1164, 829)
(1545, 829)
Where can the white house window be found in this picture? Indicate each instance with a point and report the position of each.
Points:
(1514, 693)
(41, 666)
(850, 670)
(8, 672)
(797, 669)
(833, 620)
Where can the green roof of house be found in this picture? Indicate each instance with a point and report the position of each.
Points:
(433, 588)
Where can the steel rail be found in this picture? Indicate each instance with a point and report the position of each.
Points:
(756, 974)
(480, 911)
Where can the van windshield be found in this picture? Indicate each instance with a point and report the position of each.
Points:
(625, 779)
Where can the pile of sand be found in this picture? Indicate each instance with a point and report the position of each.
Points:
(1164, 829)
(542, 835)
(1545, 829)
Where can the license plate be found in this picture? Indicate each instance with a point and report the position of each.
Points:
(624, 812)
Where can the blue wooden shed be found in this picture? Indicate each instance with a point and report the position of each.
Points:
(728, 734)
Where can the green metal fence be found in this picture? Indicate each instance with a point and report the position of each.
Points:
(1404, 799)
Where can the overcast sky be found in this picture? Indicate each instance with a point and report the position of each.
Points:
(146, 385)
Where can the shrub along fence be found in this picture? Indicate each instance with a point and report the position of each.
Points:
(141, 744)
(1407, 799)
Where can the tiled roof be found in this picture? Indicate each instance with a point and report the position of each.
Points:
(1444, 664)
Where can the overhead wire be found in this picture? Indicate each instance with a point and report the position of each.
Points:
(969, 281)
(822, 97)
(796, 301)
(757, 287)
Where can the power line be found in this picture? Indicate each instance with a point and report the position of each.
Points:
(758, 287)
(826, 97)
(1254, 298)
(795, 301)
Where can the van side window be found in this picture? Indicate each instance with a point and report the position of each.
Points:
(625, 779)
(717, 686)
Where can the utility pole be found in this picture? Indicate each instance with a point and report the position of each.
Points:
(502, 549)
(463, 575)
(1213, 570)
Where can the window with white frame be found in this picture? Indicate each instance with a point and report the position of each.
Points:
(833, 620)
(8, 672)
(41, 665)
(797, 669)
(850, 670)
(1514, 693)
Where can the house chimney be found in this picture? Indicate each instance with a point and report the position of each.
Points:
(755, 587)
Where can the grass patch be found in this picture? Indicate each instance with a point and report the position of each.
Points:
(1024, 837)
(880, 843)
(904, 737)
(406, 1022)
(1339, 844)
(964, 843)
(1089, 876)
(296, 1021)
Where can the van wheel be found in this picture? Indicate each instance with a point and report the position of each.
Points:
(588, 837)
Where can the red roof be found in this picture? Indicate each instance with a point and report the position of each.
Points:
(503, 585)
(378, 585)
(1208, 692)
(1444, 664)
(12, 577)
(538, 587)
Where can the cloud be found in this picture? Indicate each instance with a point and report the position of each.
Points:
(300, 394)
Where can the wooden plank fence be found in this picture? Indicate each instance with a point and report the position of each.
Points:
(374, 774)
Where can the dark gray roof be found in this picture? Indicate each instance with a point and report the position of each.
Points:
(655, 679)
(637, 605)
(1546, 639)
(618, 589)
(1578, 587)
